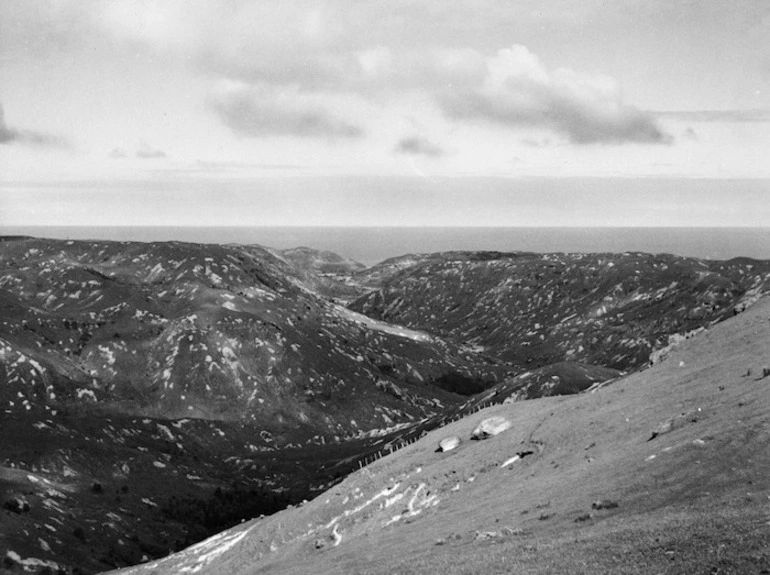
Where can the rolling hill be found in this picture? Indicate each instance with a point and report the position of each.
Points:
(178, 376)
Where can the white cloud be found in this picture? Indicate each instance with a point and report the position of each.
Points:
(519, 91)
(147, 152)
(257, 111)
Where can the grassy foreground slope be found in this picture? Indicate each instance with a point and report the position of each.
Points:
(664, 471)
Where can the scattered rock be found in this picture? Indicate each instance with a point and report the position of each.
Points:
(335, 536)
(584, 517)
(320, 543)
(765, 371)
(675, 422)
(511, 460)
(504, 532)
(486, 535)
(448, 444)
(490, 427)
(604, 504)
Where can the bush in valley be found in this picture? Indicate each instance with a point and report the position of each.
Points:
(462, 384)
(225, 508)
(17, 505)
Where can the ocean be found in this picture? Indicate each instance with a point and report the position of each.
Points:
(370, 245)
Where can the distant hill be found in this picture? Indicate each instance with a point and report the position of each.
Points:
(220, 332)
(321, 261)
(532, 310)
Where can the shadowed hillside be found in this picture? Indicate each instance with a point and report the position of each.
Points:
(220, 332)
(174, 370)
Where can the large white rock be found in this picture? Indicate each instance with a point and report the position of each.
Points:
(448, 443)
(490, 427)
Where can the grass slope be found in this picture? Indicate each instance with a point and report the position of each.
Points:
(682, 448)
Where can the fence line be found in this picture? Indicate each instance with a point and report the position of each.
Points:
(405, 442)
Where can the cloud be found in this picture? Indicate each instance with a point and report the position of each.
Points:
(258, 111)
(9, 135)
(147, 152)
(727, 116)
(289, 57)
(416, 145)
(518, 91)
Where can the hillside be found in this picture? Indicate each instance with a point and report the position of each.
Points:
(321, 261)
(169, 373)
(217, 332)
(323, 272)
(533, 310)
(664, 470)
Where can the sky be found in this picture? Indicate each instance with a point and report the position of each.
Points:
(406, 112)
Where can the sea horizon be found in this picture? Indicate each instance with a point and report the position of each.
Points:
(371, 245)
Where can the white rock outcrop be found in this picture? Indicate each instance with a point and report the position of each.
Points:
(490, 427)
(448, 443)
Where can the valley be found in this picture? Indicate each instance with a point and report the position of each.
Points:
(152, 395)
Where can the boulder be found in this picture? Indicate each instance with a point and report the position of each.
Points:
(448, 444)
(490, 427)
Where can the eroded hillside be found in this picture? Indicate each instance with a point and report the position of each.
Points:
(179, 388)
(218, 332)
(533, 310)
